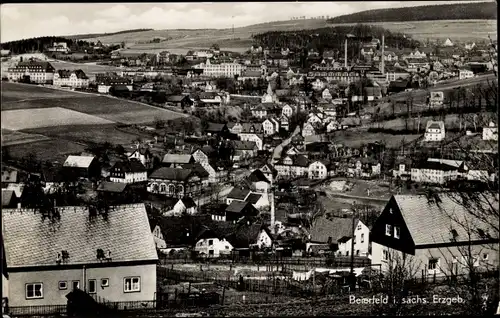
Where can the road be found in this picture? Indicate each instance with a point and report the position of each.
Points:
(278, 149)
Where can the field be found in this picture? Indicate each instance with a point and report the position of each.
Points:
(182, 40)
(11, 137)
(20, 119)
(90, 69)
(53, 123)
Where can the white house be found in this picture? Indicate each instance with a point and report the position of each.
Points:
(252, 137)
(131, 171)
(465, 74)
(490, 132)
(333, 125)
(183, 205)
(308, 130)
(158, 235)
(264, 239)
(318, 84)
(434, 172)
(361, 241)
(315, 118)
(448, 42)
(434, 131)
(287, 110)
(269, 127)
(74, 79)
(210, 244)
(318, 170)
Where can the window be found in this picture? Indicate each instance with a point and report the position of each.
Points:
(34, 291)
(354, 239)
(76, 284)
(210, 242)
(433, 265)
(388, 230)
(104, 282)
(385, 255)
(397, 232)
(92, 286)
(63, 285)
(362, 237)
(359, 227)
(131, 284)
(347, 253)
(485, 256)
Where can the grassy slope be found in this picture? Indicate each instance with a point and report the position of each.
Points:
(182, 40)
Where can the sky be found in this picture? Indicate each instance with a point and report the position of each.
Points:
(27, 20)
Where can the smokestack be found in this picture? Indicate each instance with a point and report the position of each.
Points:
(271, 199)
(383, 57)
(345, 54)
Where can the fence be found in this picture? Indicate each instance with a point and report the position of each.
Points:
(42, 310)
(298, 263)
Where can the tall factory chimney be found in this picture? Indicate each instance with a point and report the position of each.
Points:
(271, 202)
(383, 57)
(345, 52)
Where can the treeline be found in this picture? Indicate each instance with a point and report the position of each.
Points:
(458, 11)
(94, 35)
(39, 44)
(332, 38)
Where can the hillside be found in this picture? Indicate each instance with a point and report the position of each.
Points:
(465, 11)
(93, 35)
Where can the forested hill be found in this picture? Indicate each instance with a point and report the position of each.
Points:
(458, 11)
(331, 38)
(95, 35)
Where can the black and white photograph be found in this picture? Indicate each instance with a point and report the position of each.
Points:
(249, 159)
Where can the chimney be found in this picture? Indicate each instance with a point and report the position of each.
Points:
(273, 216)
(383, 57)
(345, 53)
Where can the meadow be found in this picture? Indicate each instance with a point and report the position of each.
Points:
(54, 150)
(182, 40)
(12, 137)
(20, 119)
(357, 138)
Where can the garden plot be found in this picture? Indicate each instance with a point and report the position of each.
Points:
(20, 119)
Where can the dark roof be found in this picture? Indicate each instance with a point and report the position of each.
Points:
(253, 198)
(175, 229)
(335, 228)
(67, 73)
(238, 193)
(171, 174)
(177, 158)
(244, 145)
(31, 241)
(238, 206)
(132, 165)
(115, 187)
(198, 168)
(215, 127)
(257, 176)
(176, 98)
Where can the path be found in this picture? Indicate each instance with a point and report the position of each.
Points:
(278, 149)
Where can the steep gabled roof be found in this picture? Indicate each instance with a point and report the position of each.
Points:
(239, 206)
(335, 228)
(257, 176)
(7, 197)
(78, 161)
(171, 174)
(132, 165)
(114, 187)
(238, 193)
(430, 220)
(177, 158)
(31, 241)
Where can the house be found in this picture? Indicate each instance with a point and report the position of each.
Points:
(157, 234)
(308, 130)
(439, 235)
(238, 194)
(448, 42)
(258, 200)
(32, 72)
(177, 160)
(143, 154)
(434, 172)
(112, 189)
(403, 170)
(254, 236)
(284, 122)
(112, 257)
(238, 209)
(131, 171)
(434, 131)
(85, 166)
(211, 244)
(319, 84)
(181, 101)
(269, 127)
(235, 128)
(292, 166)
(269, 172)
(175, 182)
(326, 233)
(74, 79)
(287, 110)
(490, 132)
(436, 99)
(319, 170)
(259, 111)
(183, 205)
(244, 150)
(361, 241)
(333, 125)
(104, 84)
(215, 129)
(258, 181)
(348, 122)
(465, 74)
(205, 157)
